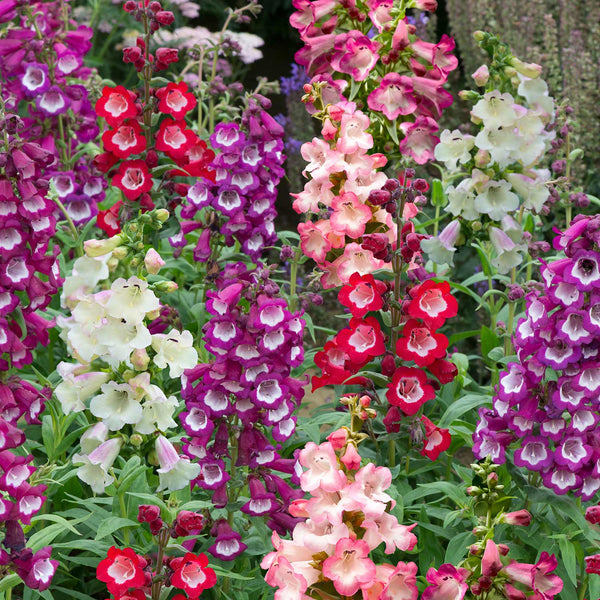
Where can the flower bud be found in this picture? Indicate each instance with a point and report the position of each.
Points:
(153, 261)
(147, 513)
(338, 438)
(165, 286)
(140, 359)
(130, 6)
(519, 517)
(481, 76)
(95, 248)
(532, 70)
(162, 215)
(592, 514)
(388, 364)
(165, 17)
(136, 440)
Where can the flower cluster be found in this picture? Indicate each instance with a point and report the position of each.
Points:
(42, 66)
(108, 329)
(20, 498)
(353, 231)
(503, 167)
(546, 403)
(246, 393)
(243, 187)
(348, 516)
(131, 143)
(130, 576)
(400, 77)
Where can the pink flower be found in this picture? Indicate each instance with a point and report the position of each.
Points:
(386, 529)
(447, 583)
(350, 216)
(350, 567)
(402, 583)
(490, 562)
(538, 577)
(393, 97)
(281, 574)
(355, 54)
(440, 54)
(419, 141)
(353, 132)
(380, 12)
(323, 471)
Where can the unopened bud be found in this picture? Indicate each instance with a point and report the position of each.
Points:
(136, 440)
(140, 359)
(153, 261)
(162, 215)
(532, 70)
(95, 248)
(166, 286)
(481, 76)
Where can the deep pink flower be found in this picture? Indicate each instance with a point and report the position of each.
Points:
(393, 97)
(419, 141)
(355, 54)
(447, 583)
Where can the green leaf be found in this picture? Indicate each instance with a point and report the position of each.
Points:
(57, 519)
(151, 499)
(461, 406)
(392, 128)
(489, 340)
(46, 536)
(113, 524)
(229, 574)
(569, 559)
(354, 89)
(9, 581)
(457, 547)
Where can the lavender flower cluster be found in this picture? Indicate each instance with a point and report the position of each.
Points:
(41, 65)
(548, 404)
(248, 169)
(244, 395)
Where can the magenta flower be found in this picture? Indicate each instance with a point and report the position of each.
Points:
(350, 567)
(537, 577)
(447, 583)
(419, 141)
(393, 97)
(355, 54)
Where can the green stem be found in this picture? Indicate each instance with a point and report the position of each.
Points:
(294, 280)
(70, 223)
(511, 318)
(124, 515)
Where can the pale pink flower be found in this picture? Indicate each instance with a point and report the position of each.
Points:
(350, 567)
(319, 537)
(402, 583)
(322, 160)
(349, 216)
(353, 133)
(291, 585)
(355, 260)
(323, 471)
(325, 507)
(315, 192)
(386, 529)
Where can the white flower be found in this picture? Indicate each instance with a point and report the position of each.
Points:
(441, 248)
(534, 192)
(87, 272)
(95, 467)
(174, 350)
(116, 406)
(507, 252)
(84, 344)
(461, 200)
(75, 388)
(121, 339)
(496, 200)
(158, 412)
(175, 471)
(454, 147)
(535, 91)
(495, 110)
(93, 437)
(501, 143)
(131, 300)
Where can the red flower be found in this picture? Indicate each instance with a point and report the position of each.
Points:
(192, 575)
(174, 139)
(336, 366)
(433, 303)
(175, 100)
(121, 570)
(133, 178)
(362, 340)
(105, 162)
(436, 440)
(409, 390)
(198, 158)
(421, 344)
(444, 370)
(115, 105)
(363, 294)
(108, 220)
(592, 564)
(125, 140)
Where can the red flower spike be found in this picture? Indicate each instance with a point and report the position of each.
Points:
(444, 370)
(409, 390)
(421, 344)
(192, 574)
(115, 105)
(433, 303)
(125, 140)
(362, 295)
(174, 139)
(175, 100)
(133, 178)
(121, 570)
(362, 340)
(108, 220)
(436, 441)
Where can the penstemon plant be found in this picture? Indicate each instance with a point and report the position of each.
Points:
(174, 421)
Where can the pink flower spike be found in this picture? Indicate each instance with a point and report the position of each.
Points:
(349, 216)
(393, 97)
(350, 567)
